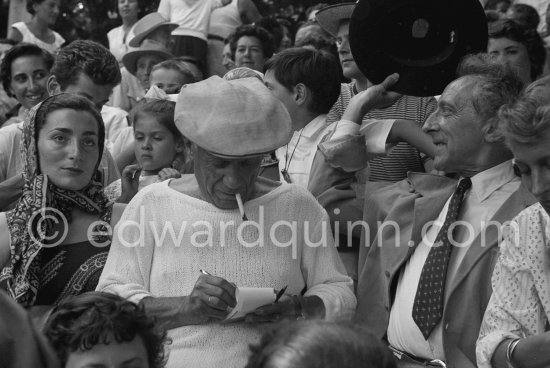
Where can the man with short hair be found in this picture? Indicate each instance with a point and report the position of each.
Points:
(83, 67)
(430, 243)
(287, 241)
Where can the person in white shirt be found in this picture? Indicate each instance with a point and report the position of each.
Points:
(119, 37)
(193, 18)
(232, 124)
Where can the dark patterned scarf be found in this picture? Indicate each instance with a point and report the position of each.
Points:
(41, 205)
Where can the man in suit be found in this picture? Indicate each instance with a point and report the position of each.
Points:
(426, 261)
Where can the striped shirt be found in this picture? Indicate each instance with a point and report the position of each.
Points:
(403, 157)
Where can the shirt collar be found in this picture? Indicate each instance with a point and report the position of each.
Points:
(314, 126)
(487, 182)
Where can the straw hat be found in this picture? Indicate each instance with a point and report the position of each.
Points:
(330, 17)
(147, 48)
(146, 25)
(232, 119)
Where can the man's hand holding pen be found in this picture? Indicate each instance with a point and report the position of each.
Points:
(212, 298)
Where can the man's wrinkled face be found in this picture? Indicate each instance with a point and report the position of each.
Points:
(220, 179)
(456, 128)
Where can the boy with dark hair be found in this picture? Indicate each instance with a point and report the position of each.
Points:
(307, 83)
(85, 68)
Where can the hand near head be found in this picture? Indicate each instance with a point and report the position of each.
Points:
(169, 173)
(375, 97)
(129, 183)
(211, 299)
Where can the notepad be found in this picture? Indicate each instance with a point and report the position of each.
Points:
(248, 300)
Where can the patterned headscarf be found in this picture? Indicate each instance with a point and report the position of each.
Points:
(30, 223)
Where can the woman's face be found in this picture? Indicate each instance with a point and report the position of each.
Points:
(47, 11)
(144, 66)
(29, 76)
(68, 148)
(114, 355)
(155, 146)
(514, 54)
(128, 9)
(250, 53)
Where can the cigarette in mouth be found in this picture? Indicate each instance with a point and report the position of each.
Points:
(241, 206)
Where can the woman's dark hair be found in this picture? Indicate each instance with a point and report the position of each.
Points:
(30, 4)
(17, 51)
(260, 33)
(319, 344)
(74, 102)
(81, 322)
(507, 28)
(524, 14)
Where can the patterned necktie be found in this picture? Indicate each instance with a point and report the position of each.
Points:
(428, 302)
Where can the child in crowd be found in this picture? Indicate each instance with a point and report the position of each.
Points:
(103, 330)
(160, 150)
(171, 75)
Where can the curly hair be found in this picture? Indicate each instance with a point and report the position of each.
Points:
(251, 30)
(88, 57)
(499, 84)
(507, 28)
(319, 344)
(81, 322)
(528, 120)
(17, 51)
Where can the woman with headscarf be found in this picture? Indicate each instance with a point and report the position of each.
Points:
(51, 244)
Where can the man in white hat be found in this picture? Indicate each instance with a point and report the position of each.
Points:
(279, 238)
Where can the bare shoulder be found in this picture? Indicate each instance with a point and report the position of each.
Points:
(14, 34)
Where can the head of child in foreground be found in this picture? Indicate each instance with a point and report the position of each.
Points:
(101, 329)
(319, 344)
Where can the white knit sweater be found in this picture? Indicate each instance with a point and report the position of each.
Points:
(170, 266)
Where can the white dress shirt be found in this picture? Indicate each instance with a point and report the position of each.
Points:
(490, 189)
(300, 151)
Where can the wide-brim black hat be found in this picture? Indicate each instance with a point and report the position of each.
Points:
(422, 40)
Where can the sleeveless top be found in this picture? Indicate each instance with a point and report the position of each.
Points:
(29, 37)
(69, 269)
(224, 20)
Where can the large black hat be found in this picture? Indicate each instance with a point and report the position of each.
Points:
(422, 40)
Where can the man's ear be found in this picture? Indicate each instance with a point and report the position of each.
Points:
(301, 94)
(491, 131)
(53, 86)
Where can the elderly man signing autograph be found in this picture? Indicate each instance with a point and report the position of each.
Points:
(172, 230)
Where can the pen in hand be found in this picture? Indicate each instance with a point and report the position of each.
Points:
(280, 294)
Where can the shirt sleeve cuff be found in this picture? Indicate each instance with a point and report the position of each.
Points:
(376, 132)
